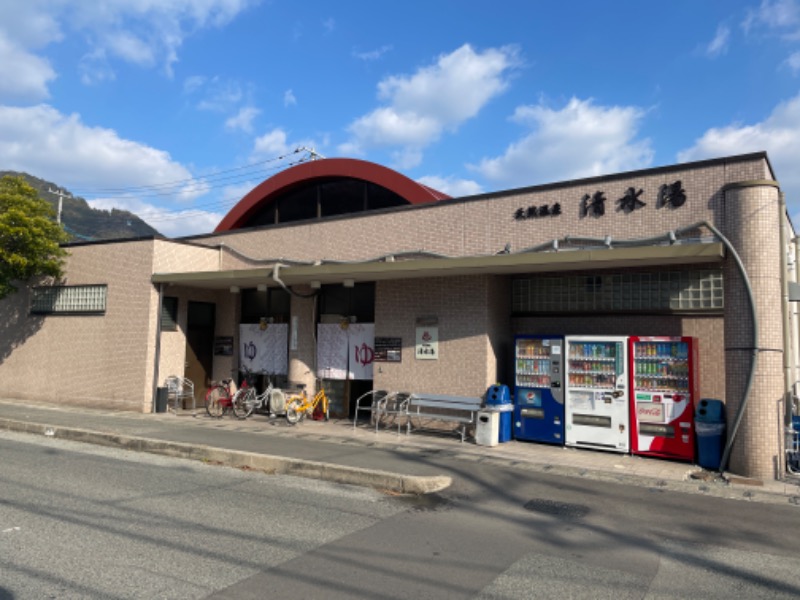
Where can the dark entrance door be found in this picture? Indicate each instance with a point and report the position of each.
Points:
(200, 345)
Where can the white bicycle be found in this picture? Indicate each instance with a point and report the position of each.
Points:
(247, 401)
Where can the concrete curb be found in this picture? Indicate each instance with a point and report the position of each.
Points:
(379, 480)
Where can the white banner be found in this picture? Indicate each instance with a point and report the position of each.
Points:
(345, 353)
(264, 351)
(362, 350)
(331, 351)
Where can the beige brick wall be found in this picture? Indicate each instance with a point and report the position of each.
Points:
(751, 222)
(87, 360)
(116, 352)
(485, 224)
(466, 364)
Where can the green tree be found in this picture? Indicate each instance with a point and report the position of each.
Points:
(29, 236)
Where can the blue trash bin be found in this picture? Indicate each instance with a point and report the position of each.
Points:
(709, 429)
(498, 399)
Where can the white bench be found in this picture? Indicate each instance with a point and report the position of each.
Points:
(440, 407)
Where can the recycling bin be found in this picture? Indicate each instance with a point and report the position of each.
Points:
(498, 400)
(709, 429)
(162, 394)
(487, 428)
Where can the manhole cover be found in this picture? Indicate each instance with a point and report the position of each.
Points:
(566, 510)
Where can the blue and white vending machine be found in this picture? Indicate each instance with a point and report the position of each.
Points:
(539, 389)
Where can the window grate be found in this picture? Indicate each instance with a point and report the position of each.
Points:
(72, 299)
(665, 291)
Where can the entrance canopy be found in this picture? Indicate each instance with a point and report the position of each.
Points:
(500, 264)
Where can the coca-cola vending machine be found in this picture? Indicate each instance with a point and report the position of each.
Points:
(664, 390)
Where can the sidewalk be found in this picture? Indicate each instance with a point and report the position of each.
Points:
(337, 451)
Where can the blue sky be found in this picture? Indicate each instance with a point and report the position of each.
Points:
(174, 109)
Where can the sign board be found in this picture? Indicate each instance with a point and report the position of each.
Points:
(223, 346)
(388, 349)
(427, 347)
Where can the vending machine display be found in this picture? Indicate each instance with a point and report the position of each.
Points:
(597, 404)
(663, 393)
(539, 391)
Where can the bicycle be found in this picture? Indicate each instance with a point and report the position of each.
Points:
(299, 406)
(246, 401)
(221, 395)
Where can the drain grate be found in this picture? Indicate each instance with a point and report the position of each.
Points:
(565, 510)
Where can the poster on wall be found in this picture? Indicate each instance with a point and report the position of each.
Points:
(345, 350)
(264, 350)
(223, 346)
(427, 347)
(388, 349)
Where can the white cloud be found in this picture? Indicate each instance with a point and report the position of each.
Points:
(169, 223)
(218, 95)
(793, 62)
(774, 14)
(372, 55)
(275, 143)
(329, 25)
(288, 98)
(580, 140)
(23, 75)
(778, 135)
(243, 120)
(272, 143)
(437, 98)
(44, 142)
(193, 83)
(719, 45)
(451, 186)
(140, 32)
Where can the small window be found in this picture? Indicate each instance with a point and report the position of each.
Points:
(169, 313)
(69, 300)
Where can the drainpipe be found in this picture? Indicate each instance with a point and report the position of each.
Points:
(158, 344)
(787, 334)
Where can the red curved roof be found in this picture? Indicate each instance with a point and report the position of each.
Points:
(272, 188)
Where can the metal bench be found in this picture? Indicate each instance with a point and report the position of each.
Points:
(439, 407)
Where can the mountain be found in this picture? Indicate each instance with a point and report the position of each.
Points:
(84, 223)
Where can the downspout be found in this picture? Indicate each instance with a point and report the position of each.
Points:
(751, 375)
(158, 344)
(787, 334)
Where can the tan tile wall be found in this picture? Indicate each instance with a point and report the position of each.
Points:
(176, 257)
(752, 221)
(465, 365)
(87, 360)
(485, 225)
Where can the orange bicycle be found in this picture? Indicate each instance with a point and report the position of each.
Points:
(298, 406)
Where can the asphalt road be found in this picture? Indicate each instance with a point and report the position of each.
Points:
(79, 521)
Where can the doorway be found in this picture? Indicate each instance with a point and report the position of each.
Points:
(200, 322)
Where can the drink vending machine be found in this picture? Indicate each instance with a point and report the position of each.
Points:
(663, 394)
(539, 390)
(596, 404)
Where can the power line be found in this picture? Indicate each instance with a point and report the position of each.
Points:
(203, 183)
(198, 185)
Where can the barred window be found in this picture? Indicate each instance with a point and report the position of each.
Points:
(698, 290)
(69, 299)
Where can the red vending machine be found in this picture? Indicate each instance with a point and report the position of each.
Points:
(664, 389)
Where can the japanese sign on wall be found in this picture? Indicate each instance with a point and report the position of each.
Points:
(669, 195)
(427, 347)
